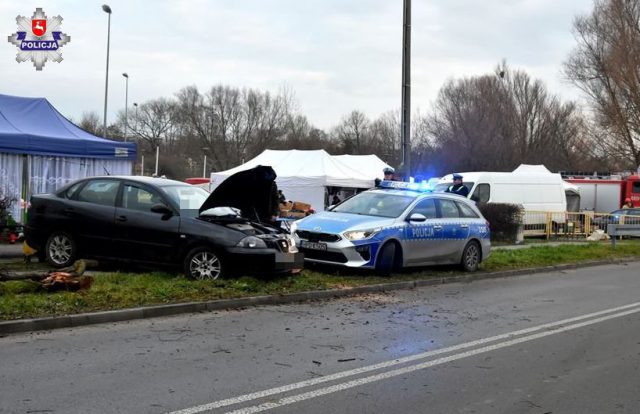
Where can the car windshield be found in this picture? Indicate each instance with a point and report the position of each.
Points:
(375, 204)
(188, 197)
(625, 212)
(440, 188)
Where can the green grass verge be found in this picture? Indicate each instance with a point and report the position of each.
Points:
(119, 290)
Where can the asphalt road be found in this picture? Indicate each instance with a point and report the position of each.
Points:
(566, 342)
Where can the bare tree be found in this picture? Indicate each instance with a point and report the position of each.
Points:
(90, 122)
(154, 124)
(353, 132)
(606, 66)
(385, 132)
(497, 121)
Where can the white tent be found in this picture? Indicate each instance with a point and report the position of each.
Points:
(572, 191)
(532, 169)
(541, 169)
(303, 175)
(369, 165)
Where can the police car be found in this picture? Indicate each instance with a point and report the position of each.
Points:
(394, 226)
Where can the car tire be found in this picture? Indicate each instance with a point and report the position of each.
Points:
(203, 263)
(471, 257)
(60, 249)
(385, 261)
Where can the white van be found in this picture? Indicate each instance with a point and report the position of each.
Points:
(536, 192)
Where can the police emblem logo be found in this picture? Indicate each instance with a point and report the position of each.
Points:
(39, 39)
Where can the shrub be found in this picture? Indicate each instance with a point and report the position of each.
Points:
(504, 219)
(6, 201)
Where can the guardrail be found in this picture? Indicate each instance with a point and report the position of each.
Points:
(570, 224)
(615, 230)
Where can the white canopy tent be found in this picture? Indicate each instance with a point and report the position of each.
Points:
(541, 169)
(304, 175)
(572, 191)
(369, 165)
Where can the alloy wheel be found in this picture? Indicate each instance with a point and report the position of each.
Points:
(205, 265)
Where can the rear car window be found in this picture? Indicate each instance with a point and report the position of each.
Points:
(448, 209)
(426, 207)
(466, 211)
(71, 191)
(99, 192)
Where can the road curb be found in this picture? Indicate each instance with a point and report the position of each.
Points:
(82, 319)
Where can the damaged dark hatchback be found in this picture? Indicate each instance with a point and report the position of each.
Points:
(163, 222)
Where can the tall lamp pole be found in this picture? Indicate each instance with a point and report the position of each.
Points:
(107, 10)
(126, 105)
(204, 164)
(406, 90)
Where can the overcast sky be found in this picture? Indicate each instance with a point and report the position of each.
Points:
(335, 55)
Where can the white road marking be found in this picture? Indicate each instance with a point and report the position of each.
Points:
(412, 368)
(551, 328)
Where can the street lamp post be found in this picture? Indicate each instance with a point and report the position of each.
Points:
(405, 120)
(107, 10)
(126, 105)
(204, 167)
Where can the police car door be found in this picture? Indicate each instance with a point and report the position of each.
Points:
(455, 229)
(422, 237)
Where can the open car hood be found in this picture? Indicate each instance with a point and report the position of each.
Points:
(249, 190)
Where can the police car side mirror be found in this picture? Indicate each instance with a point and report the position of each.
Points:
(417, 218)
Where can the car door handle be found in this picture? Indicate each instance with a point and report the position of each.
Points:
(464, 226)
(121, 218)
(68, 211)
(437, 227)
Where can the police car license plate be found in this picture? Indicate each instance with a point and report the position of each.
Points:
(312, 245)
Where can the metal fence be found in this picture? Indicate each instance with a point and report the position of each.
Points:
(569, 224)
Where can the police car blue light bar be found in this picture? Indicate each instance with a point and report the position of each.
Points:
(403, 185)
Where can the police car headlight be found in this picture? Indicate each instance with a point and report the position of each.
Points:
(360, 234)
(252, 242)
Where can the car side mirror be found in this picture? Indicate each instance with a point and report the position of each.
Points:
(417, 218)
(162, 209)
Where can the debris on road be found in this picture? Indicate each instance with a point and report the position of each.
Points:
(70, 278)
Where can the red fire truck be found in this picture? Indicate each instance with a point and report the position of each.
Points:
(604, 192)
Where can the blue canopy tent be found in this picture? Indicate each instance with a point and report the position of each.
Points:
(41, 150)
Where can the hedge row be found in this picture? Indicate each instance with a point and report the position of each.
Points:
(504, 219)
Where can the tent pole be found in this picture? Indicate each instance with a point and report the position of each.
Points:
(26, 188)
